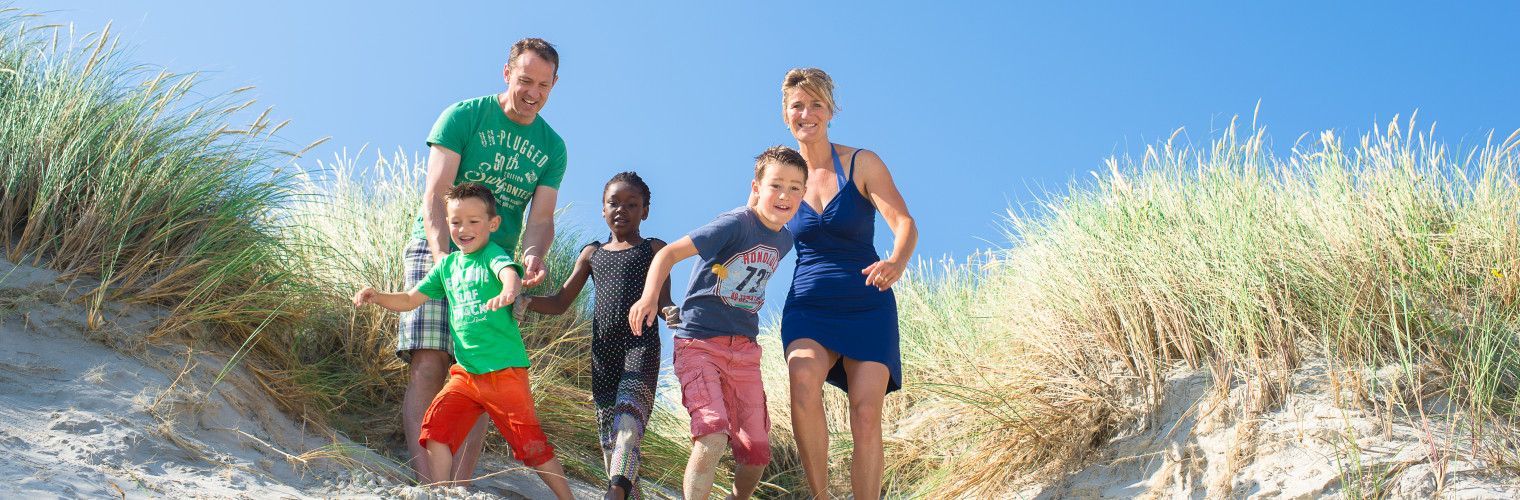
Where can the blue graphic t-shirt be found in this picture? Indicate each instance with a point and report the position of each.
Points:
(739, 255)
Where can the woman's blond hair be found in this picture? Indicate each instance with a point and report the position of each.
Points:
(813, 81)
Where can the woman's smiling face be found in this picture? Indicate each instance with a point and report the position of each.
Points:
(806, 115)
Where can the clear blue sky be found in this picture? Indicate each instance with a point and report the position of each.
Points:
(975, 107)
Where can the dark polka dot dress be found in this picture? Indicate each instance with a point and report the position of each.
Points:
(624, 368)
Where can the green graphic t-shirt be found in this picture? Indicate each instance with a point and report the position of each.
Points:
(511, 159)
(484, 341)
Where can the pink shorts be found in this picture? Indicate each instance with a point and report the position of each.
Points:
(721, 389)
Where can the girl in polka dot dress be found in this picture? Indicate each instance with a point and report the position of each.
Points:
(625, 364)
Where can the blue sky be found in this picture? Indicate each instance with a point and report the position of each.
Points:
(975, 107)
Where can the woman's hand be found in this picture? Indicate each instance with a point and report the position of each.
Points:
(883, 274)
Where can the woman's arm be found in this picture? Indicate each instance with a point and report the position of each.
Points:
(443, 165)
(560, 301)
(873, 179)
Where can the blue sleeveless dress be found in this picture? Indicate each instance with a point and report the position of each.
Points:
(829, 301)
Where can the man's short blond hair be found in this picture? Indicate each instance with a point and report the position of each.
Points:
(813, 81)
(539, 46)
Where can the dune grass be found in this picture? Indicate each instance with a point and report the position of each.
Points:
(1391, 251)
(129, 176)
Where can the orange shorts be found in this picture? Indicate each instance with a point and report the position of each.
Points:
(504, 395)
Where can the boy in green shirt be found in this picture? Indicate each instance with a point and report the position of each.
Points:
(480, 282)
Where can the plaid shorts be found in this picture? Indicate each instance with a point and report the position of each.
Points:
(427, 327)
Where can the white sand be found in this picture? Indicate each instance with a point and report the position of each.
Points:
(1307, 447)
(103, 413)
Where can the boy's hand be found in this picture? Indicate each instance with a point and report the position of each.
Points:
(365, 296)
(521, 311)
(672, 316)
(642, 314)
(503, 300)
(511, 285)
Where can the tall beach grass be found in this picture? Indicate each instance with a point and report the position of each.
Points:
(127, 175)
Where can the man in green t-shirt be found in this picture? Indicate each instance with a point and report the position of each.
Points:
(480, 281)
(501, 142)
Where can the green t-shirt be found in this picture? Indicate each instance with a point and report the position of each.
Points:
(511, 159)
(484, 341)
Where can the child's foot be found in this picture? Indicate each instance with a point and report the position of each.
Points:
(618, 488)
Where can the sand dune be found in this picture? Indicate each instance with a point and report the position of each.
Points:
(103, 412)
(1204, 444)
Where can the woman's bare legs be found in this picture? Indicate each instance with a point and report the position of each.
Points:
(868, 387)
(807, 365)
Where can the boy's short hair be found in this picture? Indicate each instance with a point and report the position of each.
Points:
(473, 190)
(781, 155)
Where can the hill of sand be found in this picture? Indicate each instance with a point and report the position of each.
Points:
(95, 409)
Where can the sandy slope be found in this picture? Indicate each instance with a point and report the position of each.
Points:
(1203, 444)
(104, 413)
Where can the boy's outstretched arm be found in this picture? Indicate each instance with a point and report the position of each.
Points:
(560, 301)
(647, 308)
(395, 301)
(668, 309)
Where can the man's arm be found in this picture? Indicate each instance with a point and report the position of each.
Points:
(538, 235)
(443, 165)
(644, 311)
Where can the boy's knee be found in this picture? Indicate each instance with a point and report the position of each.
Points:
(755, 453)
(710, 443)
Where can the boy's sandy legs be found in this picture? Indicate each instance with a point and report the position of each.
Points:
(702, 469)
(551, 472)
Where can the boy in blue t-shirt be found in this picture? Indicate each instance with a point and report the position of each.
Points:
(716, 357)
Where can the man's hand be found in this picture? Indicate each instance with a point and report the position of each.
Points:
(365, 296)
(534, 271)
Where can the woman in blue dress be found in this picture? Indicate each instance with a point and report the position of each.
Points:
(840, 320)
